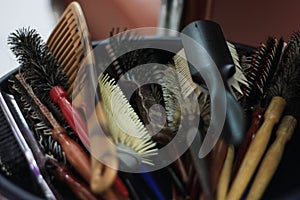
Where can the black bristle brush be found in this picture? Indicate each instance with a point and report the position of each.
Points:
(41, 71)
(41, 127)
(259, 73)
(284, 90)
(50, 156)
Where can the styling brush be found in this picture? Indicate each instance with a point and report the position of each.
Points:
(284, 90)
(260, 71)
(42, 72)
(61, 171)
(18, 163)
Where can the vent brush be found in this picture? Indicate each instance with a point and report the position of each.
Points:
(284, 90)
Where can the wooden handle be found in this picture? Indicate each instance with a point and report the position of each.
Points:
(225, 174)
(63, 174)
(272, 157)
(217, 162)
(256, 121)
(71, 114)
(75, 155)
(256, 148)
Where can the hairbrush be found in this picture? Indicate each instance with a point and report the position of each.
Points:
(18, 163)
(47, 78)
(214, 57)
(74, 153)
(125, 127)
(42, 131)
(284, 90)
(61, 171)
(259, 72)
(220, 149)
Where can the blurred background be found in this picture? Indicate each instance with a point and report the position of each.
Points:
(247, 22)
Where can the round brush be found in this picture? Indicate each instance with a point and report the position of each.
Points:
(284, 90)
(47, 78)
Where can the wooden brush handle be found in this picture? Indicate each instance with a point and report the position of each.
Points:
(256, 121)
(62, 173)
(75, 155)
(272, 157)
(225, 174)
(218, 158)
(256, 148)
(71, 114)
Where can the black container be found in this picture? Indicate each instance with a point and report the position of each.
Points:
(285, 183)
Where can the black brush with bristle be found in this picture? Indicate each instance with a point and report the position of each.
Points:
(37, 122)
(45, 76)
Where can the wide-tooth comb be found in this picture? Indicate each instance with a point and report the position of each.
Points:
(69, 41)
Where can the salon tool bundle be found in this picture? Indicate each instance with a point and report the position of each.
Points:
(50, 150)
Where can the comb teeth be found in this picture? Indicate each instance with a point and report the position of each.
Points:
(123, 123)
(261, 68)
(69, 41)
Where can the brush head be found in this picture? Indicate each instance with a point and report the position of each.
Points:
(38, 65)
(259, 71)
(124, 124)
(286, 82)
(37, 122)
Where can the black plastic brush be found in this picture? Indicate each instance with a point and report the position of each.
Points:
(47, 78)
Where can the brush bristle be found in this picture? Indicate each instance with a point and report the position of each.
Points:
(286, 81)
(260, 72)
(123, 123)
(37, 62)
(37, 122)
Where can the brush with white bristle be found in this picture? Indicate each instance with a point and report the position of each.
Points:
(125, 127)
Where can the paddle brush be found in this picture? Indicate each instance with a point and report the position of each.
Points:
(42, 72)
(283, 90)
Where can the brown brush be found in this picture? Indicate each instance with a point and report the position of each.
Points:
(284, 90)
